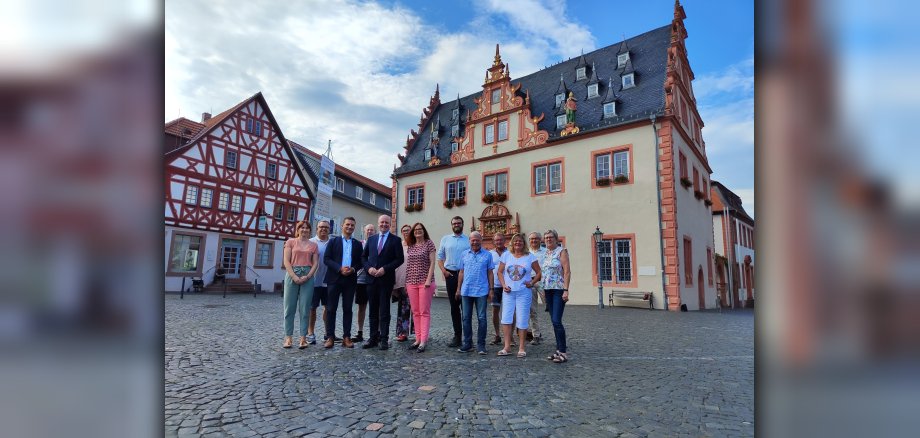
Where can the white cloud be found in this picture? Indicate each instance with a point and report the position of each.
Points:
(545, 21)
(728, 127)
(737, 78)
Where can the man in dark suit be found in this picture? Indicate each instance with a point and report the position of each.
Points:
(383, 253)
(342, 260)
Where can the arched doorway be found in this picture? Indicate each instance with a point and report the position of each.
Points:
(701, 289)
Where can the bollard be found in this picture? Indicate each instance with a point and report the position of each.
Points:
(255, 288)
(182, 291)
(225, 288)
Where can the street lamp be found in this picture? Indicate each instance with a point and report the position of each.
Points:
(598, 246)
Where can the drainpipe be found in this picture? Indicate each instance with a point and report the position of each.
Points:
(731, 250)
(664, 286)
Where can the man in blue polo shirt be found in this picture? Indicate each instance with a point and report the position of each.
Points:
(449, 252)
(475, 280)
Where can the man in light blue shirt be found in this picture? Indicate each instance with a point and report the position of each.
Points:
(475, 290)
(449, 252)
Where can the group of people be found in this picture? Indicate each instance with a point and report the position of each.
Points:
(385, 268)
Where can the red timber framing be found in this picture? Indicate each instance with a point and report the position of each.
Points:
(201, 163)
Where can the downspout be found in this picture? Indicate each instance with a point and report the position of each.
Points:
(731, 262)
(664, 286)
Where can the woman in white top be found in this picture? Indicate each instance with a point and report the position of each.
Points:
(520, 271)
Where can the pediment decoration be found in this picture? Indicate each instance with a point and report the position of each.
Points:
(465, 150)
(496, 219)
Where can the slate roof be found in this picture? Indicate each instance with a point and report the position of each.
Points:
(732, 200)
(648, 58)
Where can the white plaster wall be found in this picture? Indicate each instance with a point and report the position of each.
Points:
(718, 235)
(618, 209)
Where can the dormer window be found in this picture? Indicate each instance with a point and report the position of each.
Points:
(580, 73)
(621, 59)
(629, 81)
(609, 110)
(559, 99)
(560, 121)
(454, 146)
(455, 113)
(592, 90)
(427, 154)
(455, 131)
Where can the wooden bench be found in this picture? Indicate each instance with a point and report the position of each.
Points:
(622, 298)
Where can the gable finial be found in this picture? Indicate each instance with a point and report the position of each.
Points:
(498, 57)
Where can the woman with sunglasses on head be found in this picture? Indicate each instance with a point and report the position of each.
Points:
(300, 263)
(520, 271)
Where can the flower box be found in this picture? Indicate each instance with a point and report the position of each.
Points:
(707, 202)
(602, 182)
(449, 203)
(684, 181)
(459, 201)
(410, 208)
(621, 179)
(418, 207)
(488, 198)
(500, 197)
(698, 194)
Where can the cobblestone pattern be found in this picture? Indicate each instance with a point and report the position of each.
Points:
(632, 373)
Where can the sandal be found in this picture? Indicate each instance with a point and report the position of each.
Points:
(303, 343)
(522, 354)
(503, 353)
(288, 342)
(560, 358)
(553, 356)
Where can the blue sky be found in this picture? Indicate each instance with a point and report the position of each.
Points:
(359, 73)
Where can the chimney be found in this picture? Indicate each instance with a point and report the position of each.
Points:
(205, 117)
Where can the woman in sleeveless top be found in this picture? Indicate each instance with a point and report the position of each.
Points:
(556, 276)
(300, 263)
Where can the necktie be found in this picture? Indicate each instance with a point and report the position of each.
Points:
(380, 243)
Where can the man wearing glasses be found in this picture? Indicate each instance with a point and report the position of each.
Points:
(450, 252)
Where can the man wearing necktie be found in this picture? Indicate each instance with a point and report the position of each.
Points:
(382, 254)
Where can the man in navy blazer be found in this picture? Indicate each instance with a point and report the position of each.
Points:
(342, 259)
(383, 253)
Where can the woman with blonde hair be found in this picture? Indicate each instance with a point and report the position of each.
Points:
(300, 263)
(555, 264)
(520, 271)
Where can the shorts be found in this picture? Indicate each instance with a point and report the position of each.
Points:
(517, 308)
(319, 297)
(496, 297)
(361, 294)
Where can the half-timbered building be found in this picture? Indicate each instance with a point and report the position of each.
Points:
(233, 193)
(733, 231)
(610, 139)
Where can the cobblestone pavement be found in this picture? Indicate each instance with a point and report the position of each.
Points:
(632, 373)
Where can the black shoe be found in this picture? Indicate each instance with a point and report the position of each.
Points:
(455, 343)
(359, 338)
(336, 339)
(412, 347)
(465, 349)
(369, 344)
(384, 345)
(420, 349)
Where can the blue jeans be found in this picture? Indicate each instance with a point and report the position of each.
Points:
(556, 306)
(481, 303)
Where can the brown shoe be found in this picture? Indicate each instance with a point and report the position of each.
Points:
(346, 342)
(329, 343)
(303, 342)
(288, 342)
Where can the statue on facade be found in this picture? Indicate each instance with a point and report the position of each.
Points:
(570, 108)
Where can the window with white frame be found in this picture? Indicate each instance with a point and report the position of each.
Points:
(621, 59)
(236, 204)
(191, 195)
(253, 127)
(455, 131)
(580, 73)
(602, 166)
(223, 201)
(386, 204)
(628, 81)
(490, 133)
(560, 121)
(359, 192)
(592, 90)
(609, 110)
(548, 178)
(502, 130)
(624, 260)
(230, 161)
(416, 195)
(456, 189)
(279, 211)
(271, 170)
(185, 253)
(263, 254)
(292, 214)
(496, 95)
(454, 146)
(339, 184)
(621, 163)
(372, 198)
(206, 197)
(427, 154)
(559, 99)
(496, 183)
(606, 267)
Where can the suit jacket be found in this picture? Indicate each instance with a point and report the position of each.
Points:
(389, 258)
(333, 258)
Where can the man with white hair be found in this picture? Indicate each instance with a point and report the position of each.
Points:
(475, 289)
